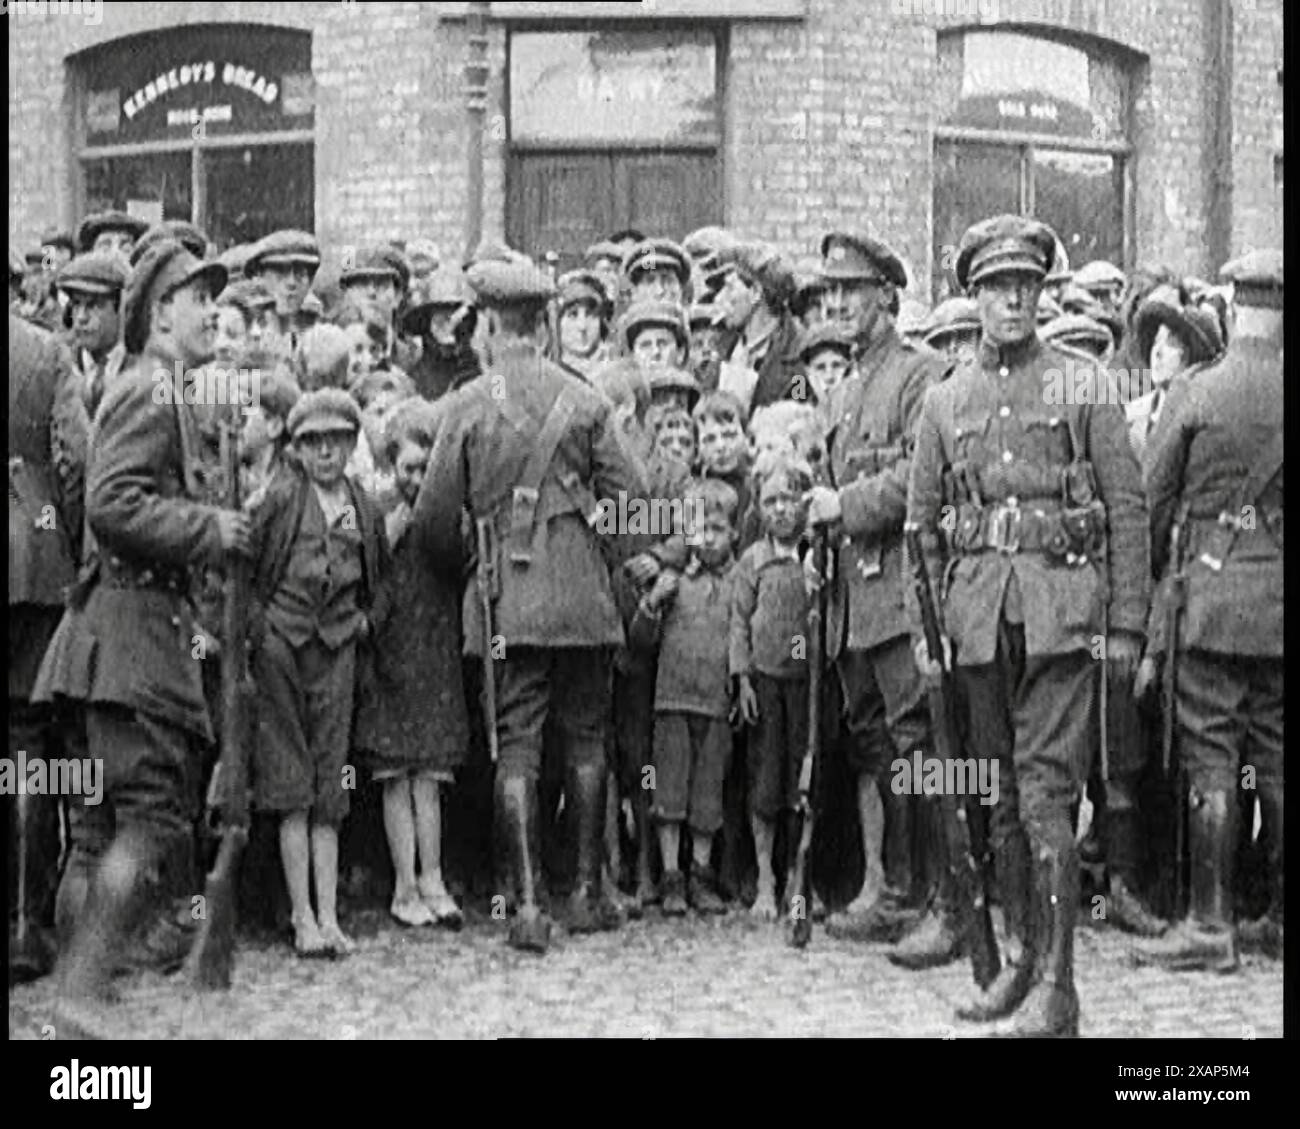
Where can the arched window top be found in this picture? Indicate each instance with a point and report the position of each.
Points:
(1016, 81)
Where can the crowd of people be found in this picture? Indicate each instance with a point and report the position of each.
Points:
(589, 718)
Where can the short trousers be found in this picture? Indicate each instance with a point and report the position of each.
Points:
(777, 744)
(884, 705)
(691, 752)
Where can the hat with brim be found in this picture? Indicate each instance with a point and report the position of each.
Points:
(825, 336)
(603, 250)
(1004, 244)
(657, 254)
(674, 380)
(322, 412)
(165, 268)
(704, 242)
(1196, 328)
(97, 274)
(951, 317)
(282, 249)
(583, 286)
(763, 265)
(520, 282)
(184, 232)
(1079, 331)
(246, 293)
(1256, 279)
(850, 257)
(93, 226)
(447, 288)
(1099, 277)
(369, 266)
(669, 315)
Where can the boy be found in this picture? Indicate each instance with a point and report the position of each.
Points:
(769, 622)
(687, 618)
(320, 554)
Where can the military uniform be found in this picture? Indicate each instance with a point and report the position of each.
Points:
(47, 450)
(1217, 467)
(124, 647)
(529, 449)
(1041, 557)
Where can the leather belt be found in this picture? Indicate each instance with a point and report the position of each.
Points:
(1007, 527)
(118, 574)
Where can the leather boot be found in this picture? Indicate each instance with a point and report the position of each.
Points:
(1264, 934)
(530, 928)
(646, 892)
(1206, 939)
(589, 909)
(1124, 908)
(1051, 1009)
(936, 939)
(898, 844)
(1013, 980)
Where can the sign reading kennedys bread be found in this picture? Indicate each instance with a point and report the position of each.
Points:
(231, 79)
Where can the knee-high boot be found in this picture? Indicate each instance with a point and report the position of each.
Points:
(519, 822)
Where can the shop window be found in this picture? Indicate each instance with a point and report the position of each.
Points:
(1032, 126)
(612, 128)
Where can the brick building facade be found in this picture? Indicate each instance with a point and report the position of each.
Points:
(1143, 131)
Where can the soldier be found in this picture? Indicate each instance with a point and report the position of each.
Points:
(528, 449)
(871, 420)
(93, 285)
(1047, 533)
(584, 310)
(124, 647)
(47, 440)
(1216, 468)
(285, 262)
(442, 316)
(106, 232)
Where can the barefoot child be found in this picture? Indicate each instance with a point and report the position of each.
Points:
(412, 723)
(769, 626)
(320, 549)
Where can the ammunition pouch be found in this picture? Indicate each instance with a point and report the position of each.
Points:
(1067, 536)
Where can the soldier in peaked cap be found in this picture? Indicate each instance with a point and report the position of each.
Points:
(528, 449)
(1048, 551)
(442, 315)
(123, 647)
(93, 285)
(870, 422)
(110, 231)
(286, 262)
(584, 310)
(1216, 470)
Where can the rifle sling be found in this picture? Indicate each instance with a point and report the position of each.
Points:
(527, 491)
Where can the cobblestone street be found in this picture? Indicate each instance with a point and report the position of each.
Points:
(655, 979)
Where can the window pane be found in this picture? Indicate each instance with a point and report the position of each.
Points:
(240, 209)
(138, 184)
(971, 182)
(608, 86)
(1080, 195)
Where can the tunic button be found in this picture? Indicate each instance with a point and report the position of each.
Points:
(1007, 456)
(176, 621)
(1004, 371)
(1004, 411)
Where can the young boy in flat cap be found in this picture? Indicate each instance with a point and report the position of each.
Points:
(93, 285)
(320, 556)
(285, 262)
(109, 232)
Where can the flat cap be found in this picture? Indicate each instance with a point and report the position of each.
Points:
(1256, 278)
(59, 239)
(282, 248)
(1004, 243)
(854, 257)
(657, 254)
(583, 286)
(649, 312)
(369, 263)
(605, 249)
(518, 283)
(1197, 328)
(761, 263)
(913, 317)
(165, 267)
(93, 274)
(1078, 330)
(248, 294)
(447, 287)
(93, 226)
(706, 241)
(956, 315)
(1099, 275)
(674, 380)
(323, 410)
(234, 258)
(184, 232)
(828, 335)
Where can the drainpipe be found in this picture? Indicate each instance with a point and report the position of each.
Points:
(1217, 167)
(476, 80)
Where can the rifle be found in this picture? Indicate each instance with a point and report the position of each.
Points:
(964, 824)
(210, 959)
(1177, 599)
(799, 930)
(485, 574)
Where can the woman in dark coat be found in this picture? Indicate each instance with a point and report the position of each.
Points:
(412, 726)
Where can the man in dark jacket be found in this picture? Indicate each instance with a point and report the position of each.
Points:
(442, 315)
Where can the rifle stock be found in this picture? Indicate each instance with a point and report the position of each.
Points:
(212, 957)
(965, 830)
(797, 887)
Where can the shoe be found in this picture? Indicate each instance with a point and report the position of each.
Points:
(704, 898)
(336, 941)
(411, 911)
(1127, 912)
(530, 930)
(673, 888)
(933, 943)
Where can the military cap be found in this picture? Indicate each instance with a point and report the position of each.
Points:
(828, 335)
(674, 380)
(655, 312)
(1196, 327)
(246, 293)
(1080, 331)
(520, 282)
(369, 262)
(956, 315)
(281, 248)
(1099, 275)
(583, 286)
(1004, 243)
(761, 263)
(323, 411)
(653, 254)
(851, 257)
(605, 249)
(184, 232)
(93, 226)
(1059, 270)
(1048, 308)
(93, 274)
(165, 267)
(59, 239)
(17, 265)
(1256, 278)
